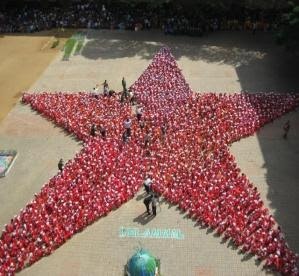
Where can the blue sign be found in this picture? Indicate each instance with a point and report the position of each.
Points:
(154, 233)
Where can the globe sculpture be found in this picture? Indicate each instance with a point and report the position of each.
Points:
(142, 263)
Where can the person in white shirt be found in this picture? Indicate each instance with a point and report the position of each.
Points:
(147, 184)
(106, 88)
(131, 97)
(127, 126)
(139, 112)
(96, 89)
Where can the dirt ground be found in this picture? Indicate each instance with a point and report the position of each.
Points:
(23, 58)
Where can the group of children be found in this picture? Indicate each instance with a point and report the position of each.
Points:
(126, 95)
(191, 166)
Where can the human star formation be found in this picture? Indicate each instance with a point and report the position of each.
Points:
(190, 162)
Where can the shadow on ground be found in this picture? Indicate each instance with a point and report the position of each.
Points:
(213, 48)
(259, 63)
(144, 218)
(281, 158)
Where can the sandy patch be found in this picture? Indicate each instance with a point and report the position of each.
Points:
(23, 58)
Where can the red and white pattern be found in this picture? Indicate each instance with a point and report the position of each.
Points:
(191, 165)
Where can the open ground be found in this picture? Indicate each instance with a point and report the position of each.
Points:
(221, 62)
(23, 58)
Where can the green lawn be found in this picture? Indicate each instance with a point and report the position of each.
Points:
(75, 43)
(68, 47)
(79, 46)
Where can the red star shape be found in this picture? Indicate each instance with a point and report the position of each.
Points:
(107, 172)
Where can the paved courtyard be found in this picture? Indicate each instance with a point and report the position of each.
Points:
(221, 62)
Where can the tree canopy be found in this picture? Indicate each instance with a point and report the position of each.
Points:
(222, 4)
(219, 4)
(288, 34)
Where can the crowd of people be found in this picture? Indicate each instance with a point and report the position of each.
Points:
(93, 15)
(181, 140)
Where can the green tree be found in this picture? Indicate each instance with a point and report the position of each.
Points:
(222, 4)
(288, 34)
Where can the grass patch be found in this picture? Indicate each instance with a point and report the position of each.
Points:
(77, 42)
(79, 47)
(68, 47)
(55, 44)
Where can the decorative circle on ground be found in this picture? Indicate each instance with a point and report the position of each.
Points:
(142, 263)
